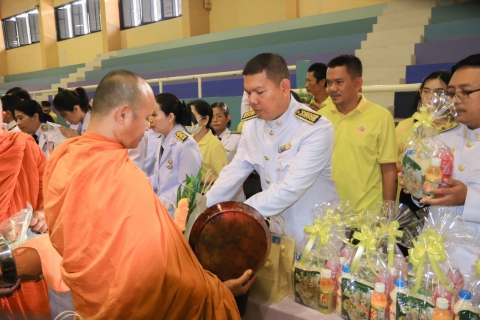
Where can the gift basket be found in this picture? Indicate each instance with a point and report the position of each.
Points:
(321, 249)
(377, 260)
(433, 273)
(427, 160)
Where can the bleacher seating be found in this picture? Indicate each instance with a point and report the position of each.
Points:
(453, 33)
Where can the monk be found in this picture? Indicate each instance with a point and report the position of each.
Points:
(21, 171)
(123, 255)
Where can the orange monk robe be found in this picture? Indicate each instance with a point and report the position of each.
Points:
(21, 171)
(123, 255)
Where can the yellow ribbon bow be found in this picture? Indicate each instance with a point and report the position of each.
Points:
(321, 231)
(477, 266)
(432, 245)
(423, 119)
(392, 233)
(367, 243)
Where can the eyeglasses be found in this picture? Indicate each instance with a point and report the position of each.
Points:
(461, 95)
(427, 91)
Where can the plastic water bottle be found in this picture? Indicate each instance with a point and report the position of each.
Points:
(345, 275)
(325, 303)
(441, 311)
(446, 165)
(400, 286)
(378, 302)
(463, 304)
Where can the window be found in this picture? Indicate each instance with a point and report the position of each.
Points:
(78, 18)
(135, 13)
(21, 30)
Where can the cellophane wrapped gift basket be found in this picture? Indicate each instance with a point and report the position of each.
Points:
(427, 160)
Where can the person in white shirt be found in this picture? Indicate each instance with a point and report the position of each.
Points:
(32, 120)
(464, 190)
(8, 103)
(220, 124)
(286, 143)
(74, 107)
(178, 155)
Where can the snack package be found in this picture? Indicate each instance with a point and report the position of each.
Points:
(427, 160)
(15, 228)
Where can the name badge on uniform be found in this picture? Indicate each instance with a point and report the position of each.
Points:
(285, 147)
(169, 165)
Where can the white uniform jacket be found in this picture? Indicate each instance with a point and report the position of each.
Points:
(181, 156)
(466, 146)
(230, 143)
(292, 155)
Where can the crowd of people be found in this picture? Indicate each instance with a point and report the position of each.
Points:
(105, 194)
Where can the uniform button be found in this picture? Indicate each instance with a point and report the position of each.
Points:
(267, 180)
(271, 132)
(267, 158)
(279, 123)
(461, 167)
(469, 144)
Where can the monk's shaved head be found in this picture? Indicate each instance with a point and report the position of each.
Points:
(118, 88)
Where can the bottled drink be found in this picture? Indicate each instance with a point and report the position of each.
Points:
(325, 303)
(441, 311)
(335, 266)
(463, 304)
(400, 286)
(456, 277)
(387, 279)
(345, 275)
(378, 302)
(441, 292)
(446, 165)
(433, 177)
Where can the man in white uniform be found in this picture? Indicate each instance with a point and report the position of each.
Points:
(464, 191)
(286, 143)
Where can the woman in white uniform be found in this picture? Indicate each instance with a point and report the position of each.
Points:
(74, 107)
(220, 123)
(178, 155)
(32, 120)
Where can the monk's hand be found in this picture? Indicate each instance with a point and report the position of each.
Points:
(315, 106)
(241, 285)
(453, 196)
(68, 133)
(38, 222)
(8, 290)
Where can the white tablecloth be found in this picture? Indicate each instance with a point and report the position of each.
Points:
(287, 309)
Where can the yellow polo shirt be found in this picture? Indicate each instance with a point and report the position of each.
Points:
(364, 139)
(213, 152)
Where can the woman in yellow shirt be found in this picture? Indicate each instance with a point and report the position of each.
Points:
(435, 82)
(214, 155)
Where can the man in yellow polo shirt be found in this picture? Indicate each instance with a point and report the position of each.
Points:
(365, 147)
(315, 84)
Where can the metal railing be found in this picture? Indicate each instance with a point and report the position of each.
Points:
(200, 77)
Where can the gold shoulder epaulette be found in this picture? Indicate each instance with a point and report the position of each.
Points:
(235, 132)
(307, 116)
(249, 115)
(181, 136)
(447, 126)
